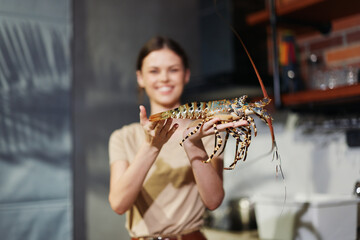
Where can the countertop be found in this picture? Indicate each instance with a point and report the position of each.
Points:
(215, 234)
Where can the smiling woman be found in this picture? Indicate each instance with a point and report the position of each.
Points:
(163, 76)
(162, 59)
(163, 189)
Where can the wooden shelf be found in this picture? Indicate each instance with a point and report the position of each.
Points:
(339, 94)
(304, 16)
(308, 11)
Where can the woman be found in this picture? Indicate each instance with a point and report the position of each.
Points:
(163, 189)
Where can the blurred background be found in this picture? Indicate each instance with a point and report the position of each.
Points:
(67, 80)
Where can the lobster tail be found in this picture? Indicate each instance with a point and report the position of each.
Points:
(159, 116)
(192, 110)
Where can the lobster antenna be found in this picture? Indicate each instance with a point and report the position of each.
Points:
(254, 67)
(274, 145)
(243, 45)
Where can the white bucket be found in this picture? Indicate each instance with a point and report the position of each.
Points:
(315, 217)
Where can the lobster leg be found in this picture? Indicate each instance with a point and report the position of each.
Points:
(247, 142)
(238, 140)
(236, 159)
(236, 133)
(246, 147)
(241, 153)
(193, 132)
(251, 121)
(218, 143)
(228, 132)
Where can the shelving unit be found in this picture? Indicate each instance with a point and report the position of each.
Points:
(264, 15)
(307, 15)
(339, 94)
(308, 11)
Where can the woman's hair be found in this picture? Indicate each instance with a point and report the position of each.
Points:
(157, 43)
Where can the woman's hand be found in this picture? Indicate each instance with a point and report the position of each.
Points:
(208, 177)
(156, 133)
(208, 128)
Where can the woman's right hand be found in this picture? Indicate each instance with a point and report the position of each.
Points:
(156, 133)
(127, 177)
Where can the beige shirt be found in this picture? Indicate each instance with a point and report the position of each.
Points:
(169, 202)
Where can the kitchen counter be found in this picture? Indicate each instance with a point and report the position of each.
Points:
(216, 234)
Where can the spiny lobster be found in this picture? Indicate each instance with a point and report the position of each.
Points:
(227, 111)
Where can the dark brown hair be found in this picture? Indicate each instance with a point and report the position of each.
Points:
(157, 43)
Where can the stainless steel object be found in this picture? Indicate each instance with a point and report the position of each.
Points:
(242, 214)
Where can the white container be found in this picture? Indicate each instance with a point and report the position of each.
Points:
(324, 217)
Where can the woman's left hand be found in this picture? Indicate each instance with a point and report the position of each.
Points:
(208, 128)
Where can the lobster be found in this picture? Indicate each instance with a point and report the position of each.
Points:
(227, 111)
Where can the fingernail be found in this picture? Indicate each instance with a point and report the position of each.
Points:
(176, 125)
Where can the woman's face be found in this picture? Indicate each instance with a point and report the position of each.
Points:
(163, 76)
